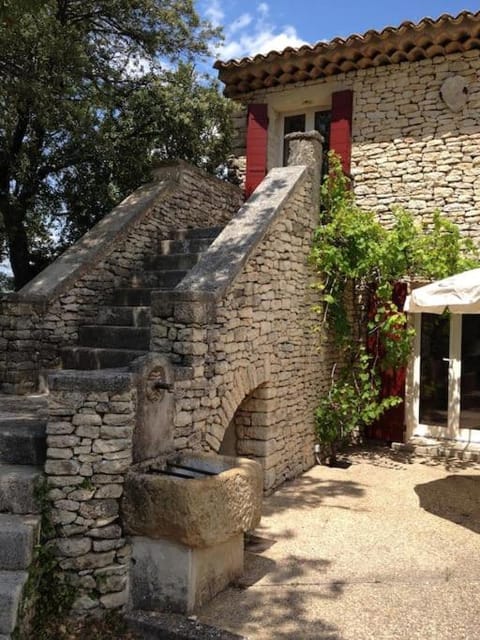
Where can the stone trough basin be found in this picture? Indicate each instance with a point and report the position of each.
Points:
(187, 515)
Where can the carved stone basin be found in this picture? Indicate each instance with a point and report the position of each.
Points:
(187, 515)
(198, 500)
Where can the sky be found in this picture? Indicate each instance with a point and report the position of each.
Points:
(253, 26)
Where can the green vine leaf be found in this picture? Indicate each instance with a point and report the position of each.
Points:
(356, 259)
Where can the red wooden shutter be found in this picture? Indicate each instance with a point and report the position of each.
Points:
(390, 426)
(257, 125)
(341, 127)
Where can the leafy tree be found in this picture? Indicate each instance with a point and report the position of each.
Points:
(87, 90)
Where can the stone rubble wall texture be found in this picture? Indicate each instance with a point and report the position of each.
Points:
(33, 332)
(248, 356)
(409, 149)
(89, 439)
(251, 355)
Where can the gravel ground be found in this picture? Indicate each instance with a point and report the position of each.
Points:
(385, 549)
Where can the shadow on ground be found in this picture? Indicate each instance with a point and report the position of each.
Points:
(290, 572)
(307, 492)
(455, 498)
(280, 600)
(284, 613)
(383, 456)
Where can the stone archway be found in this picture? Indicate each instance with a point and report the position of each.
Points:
(246, 423)
(249, 430)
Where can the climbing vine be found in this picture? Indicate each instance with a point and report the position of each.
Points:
(358, 262)
(47, 598)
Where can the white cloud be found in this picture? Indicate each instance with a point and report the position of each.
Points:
(239, 23)
(257, 34)
(263, 9)
(214, 12)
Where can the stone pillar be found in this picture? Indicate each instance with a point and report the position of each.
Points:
(306, 148)
(89, 437)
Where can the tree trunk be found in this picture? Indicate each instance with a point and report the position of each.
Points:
(17, 243)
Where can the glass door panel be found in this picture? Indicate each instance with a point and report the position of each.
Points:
(470, 376)
(435, 337)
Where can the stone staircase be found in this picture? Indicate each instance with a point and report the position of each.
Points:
(121, 334)
(22, 455)
(122, 330)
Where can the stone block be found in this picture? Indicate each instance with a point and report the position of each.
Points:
(99, 508)
(168, 576)
(88, 561)
(73, 546)
(115, 600)
(62, 467)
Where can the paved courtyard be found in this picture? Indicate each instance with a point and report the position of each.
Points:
(385, 549)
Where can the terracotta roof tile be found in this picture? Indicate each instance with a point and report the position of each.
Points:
(408, 42)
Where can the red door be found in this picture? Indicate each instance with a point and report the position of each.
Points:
(390, 427)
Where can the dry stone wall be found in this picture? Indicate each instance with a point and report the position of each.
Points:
(46, 314)
(409, 149)
(89, 438)
(242, 340)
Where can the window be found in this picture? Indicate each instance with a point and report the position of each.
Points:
(317, 120)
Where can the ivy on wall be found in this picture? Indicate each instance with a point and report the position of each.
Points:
(353, 251)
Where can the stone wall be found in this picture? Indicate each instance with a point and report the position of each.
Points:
(89, 437)
(409, 149)
(94, 422)
(45, 315)
(238, 329)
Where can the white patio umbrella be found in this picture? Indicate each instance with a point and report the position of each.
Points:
(459, 293)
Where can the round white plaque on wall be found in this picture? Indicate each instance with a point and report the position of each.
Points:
(454, 93)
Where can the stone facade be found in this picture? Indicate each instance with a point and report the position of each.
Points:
(238, 330)
(409, 149)
(46, 314)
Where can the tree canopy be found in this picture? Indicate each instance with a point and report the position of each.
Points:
(89, 90)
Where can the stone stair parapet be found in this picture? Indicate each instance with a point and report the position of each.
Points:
(238, 327)
(45, 316)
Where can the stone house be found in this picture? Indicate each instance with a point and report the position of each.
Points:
(402, 109)
(181, 324)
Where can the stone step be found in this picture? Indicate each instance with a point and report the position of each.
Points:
(157, 279)
(112, 337)
(18, 484)
(11, 587)
(125, 316)
(18, 537)
(433, 448)
(173, 261)
(10, 403)
(22, 438)
(92, 358)
(131, 297)
(196, 233)
(197, 245)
